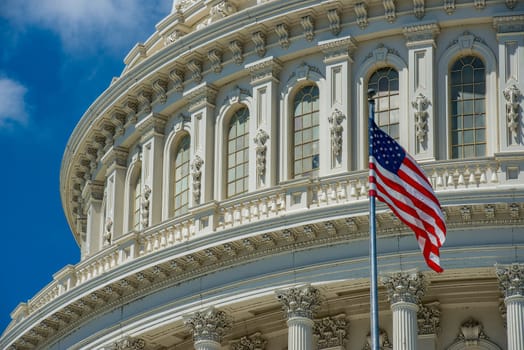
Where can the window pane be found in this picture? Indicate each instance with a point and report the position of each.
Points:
(305, 132)
(385, 82)
(237, 152)
(467, 122)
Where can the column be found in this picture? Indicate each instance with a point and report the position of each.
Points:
(263, 130)
(421, 128)
(115, 160)
(93, 194)
(152, 140)
(202, 150)
(336, 130)
(299, 304)
(331, 332)
(208, 328)
(404, 292)
(511, 279)
(511, 81)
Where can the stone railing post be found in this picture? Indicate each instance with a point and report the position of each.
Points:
(299, 305)
(404, 293)
(511, 279)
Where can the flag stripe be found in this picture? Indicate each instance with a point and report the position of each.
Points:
(396, 179)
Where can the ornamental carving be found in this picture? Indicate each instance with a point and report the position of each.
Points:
(334, 21)
(261, 148)
(215, 57)
(300, 301)
(471, 332)
(331, 331)
(512, 95)
(236, 49)
(209, 324)
(259, 39)
(420, 105)
(160, 88)
(195, 66)
(336, 129)
(449, 6)
(177, 76)
(128, 343)
(390, 10)
(309, 27)
(383, 341)
(221, 10)
(511, 279)
(196, 175)
(108, 231)
(428, 318)
(253, 342)
(418, 8)
(403, 287)
(145, 206)
(282, 31)
(361, 10)
(144, 98)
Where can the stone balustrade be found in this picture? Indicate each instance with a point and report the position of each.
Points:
(292, 195)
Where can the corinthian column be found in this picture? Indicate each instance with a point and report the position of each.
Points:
(299, 305)
(404, 293)
(511, 279)
(208, 327)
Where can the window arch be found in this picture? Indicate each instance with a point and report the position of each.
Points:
(180, 177)
(306, 109)
(385, 82)
(237, 168)
(468, 107)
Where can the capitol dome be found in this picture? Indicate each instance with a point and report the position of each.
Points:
(218, 189)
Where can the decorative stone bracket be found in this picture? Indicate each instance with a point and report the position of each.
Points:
(512, 95)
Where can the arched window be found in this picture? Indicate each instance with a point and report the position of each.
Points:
(181, 178)
(385, 83)
(306, 130)
(135, 201)
(237, 153)
(468, 108)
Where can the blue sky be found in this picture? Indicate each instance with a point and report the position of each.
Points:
(57, 56)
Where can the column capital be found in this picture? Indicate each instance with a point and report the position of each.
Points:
(115, 157)
(331, 331)
(208, 325)
(201, 96)
(421, 34)
(264, 70)
(511, 279)
(299, 301)
(338, 49)
(405, 287)
(254, 341)
(152, 124)
(509, 24)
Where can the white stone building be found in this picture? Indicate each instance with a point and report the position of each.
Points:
(218, 188)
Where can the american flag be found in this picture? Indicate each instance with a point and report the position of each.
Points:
(396, 179)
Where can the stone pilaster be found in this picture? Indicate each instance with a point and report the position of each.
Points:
(208, 327)
(337, 133)
(152, 141)
(265, 83)
(404, 293)
(299, 304)
(201, 106)
(511, 279)
(331, 332)
(420, 40)
(93, 194)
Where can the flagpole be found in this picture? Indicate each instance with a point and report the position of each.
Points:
(373, 240)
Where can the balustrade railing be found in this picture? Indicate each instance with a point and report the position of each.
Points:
(263, 205)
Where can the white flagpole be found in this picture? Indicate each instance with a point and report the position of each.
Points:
(373, 239)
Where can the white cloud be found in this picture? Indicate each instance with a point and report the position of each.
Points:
(90, 24)
(12, 105)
